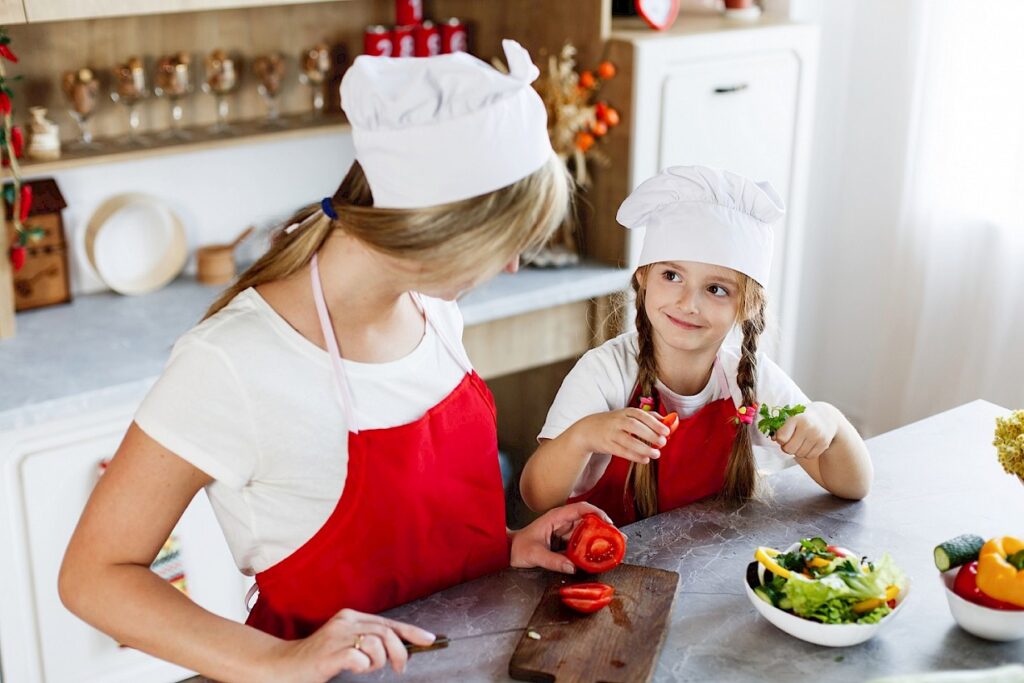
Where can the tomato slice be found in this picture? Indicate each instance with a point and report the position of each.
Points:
(966, 586)
(672, 422)
(586, 591)
(586, 606)
(596, 546)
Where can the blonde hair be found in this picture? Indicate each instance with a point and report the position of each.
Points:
(740, 474)
(447, 240)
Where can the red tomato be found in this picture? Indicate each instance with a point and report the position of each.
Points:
(966, 586)
(586, 591)
(586, 606)
(596, 546)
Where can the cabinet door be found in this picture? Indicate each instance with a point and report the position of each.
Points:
(46, 480)
(12, 12)
(737, 114)
(57, 10)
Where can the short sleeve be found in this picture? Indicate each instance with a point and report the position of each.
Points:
(197, 410)
(594, 385)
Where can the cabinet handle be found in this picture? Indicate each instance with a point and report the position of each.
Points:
(725, 89)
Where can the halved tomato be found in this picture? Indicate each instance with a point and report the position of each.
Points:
(586, 606)
(586, 591)
(596, 546)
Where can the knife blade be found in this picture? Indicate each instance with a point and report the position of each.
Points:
(442, 641)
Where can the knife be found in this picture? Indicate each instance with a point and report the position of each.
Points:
(444, 641)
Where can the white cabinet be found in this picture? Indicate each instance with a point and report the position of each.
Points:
(46, 475)
(741, 99)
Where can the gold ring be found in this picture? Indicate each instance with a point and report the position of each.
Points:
(358, 645)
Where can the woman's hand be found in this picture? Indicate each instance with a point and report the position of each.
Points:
(350, 641)
(808, 435)
(531, 545)
(628, 433)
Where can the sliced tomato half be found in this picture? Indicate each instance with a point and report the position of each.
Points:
(596, 546)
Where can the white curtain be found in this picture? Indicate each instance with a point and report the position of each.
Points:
(914, 297)
(955, 313)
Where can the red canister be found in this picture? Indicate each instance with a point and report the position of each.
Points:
(377, 42)
(428, 39)
(404, 41)
(408, 12)
(454, 37)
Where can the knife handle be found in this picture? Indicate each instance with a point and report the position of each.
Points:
(439, 643)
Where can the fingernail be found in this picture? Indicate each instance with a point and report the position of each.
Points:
(569, 568)
(662, 441)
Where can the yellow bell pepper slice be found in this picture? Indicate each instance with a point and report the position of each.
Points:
(764, 556)
(819, 562)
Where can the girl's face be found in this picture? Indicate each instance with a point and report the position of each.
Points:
(450, 291)
(691, 306)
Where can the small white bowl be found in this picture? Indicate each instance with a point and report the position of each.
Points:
(984, 622)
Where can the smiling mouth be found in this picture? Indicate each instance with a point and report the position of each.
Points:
(682, 324)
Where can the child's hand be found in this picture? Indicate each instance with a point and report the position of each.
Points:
(809, 434)
(629, 433)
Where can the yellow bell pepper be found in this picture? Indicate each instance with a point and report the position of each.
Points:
(765, 556)
(1001, 570)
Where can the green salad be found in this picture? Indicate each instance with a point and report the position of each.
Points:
(826, 583)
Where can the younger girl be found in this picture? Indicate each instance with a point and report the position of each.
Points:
(703, 269)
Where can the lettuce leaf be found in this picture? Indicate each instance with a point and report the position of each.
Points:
(830, 599)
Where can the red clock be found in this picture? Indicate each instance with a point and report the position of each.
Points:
(659, 14)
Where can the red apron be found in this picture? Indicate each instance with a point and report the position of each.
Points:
(422, 509)
(692, 464)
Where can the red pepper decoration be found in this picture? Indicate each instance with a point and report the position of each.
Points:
(966, 586)
(26, 202)
(596, 546)
(7, 53)
(18, 255)
(586, 597)
(17, 141)
(5, 103)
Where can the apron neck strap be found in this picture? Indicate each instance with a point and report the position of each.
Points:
(341, 385)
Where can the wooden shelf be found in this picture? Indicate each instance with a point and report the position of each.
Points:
(246, 132)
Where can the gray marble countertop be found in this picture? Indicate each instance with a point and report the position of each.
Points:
(106, 347)
(935, 479)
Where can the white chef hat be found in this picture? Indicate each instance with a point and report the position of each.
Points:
(441, 129)
(695, 213)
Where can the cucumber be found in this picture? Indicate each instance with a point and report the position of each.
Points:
(957, 551)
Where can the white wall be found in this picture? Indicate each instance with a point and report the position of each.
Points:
(216, 193)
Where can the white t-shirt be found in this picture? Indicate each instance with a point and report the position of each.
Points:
(604, 378)
(251, 402)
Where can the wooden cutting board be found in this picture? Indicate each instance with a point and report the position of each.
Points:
(618, 644)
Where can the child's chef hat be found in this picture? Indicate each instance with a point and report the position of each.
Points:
(440, 129)
(695, 213)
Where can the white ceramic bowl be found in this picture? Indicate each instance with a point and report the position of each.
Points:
(829, 635)
(984, 622)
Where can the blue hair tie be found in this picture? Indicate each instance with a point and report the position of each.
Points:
(328, 208)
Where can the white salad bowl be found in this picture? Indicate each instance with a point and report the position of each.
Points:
(984, 622)
(829, 635)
